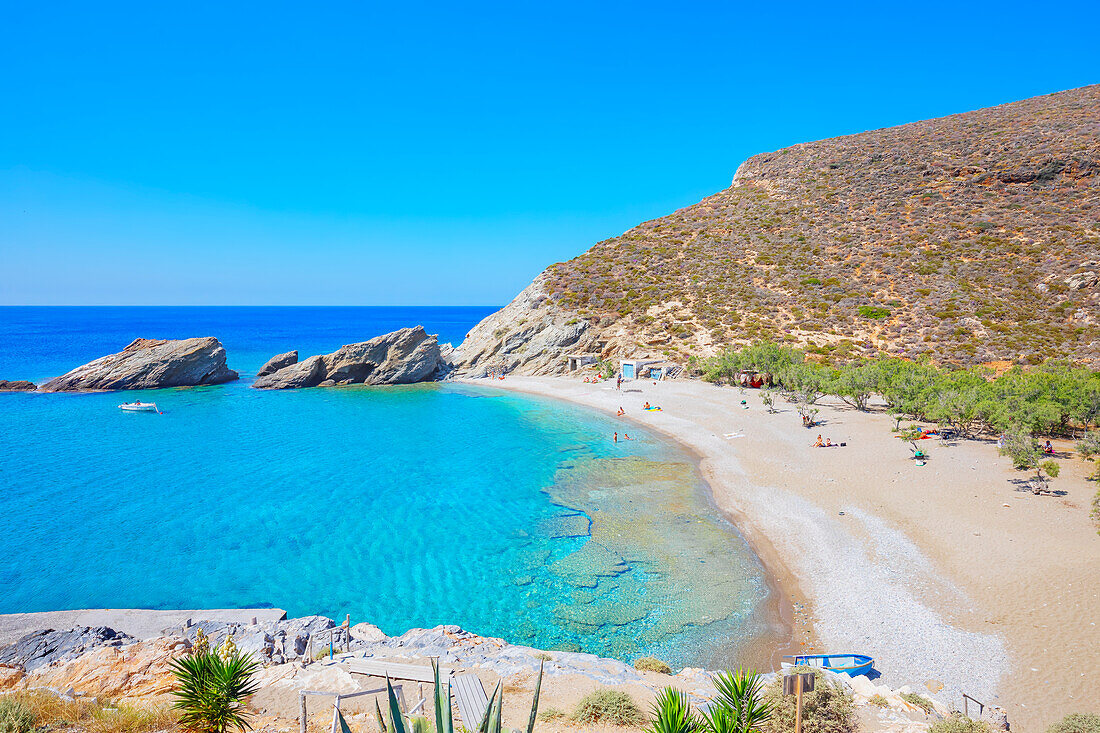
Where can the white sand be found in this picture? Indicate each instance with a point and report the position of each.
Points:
(926, 569)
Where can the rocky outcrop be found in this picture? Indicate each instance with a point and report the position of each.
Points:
(277, 362)
(42, 648)
(402, 357)
(530, 335)
(129, 672)
(150, 364)
(18, 385)
(270, 642)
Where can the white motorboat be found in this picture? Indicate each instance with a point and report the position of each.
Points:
(139, 407)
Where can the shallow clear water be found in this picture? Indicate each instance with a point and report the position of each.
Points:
(407, 506)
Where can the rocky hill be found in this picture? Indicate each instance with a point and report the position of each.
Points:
(970, 238)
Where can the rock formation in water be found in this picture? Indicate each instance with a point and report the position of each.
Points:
(17, 385)
(967, 239)
(403, 357)
(150, 364)
(277, 362)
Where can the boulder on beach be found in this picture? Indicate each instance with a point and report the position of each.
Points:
(403, 357)
(17, 385)
(150, 364)
(277, 362)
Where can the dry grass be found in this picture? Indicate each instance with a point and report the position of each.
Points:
(51, 712)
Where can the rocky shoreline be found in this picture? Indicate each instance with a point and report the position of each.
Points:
(100, 661)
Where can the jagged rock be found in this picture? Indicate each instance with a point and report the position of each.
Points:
(150, 364)
(1082, 280)
(402, 357)
(286, 638)
(530, 335)
(18, 385)
(42, 648)
(277, 362)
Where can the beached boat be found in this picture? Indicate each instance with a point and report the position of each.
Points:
(139, 407)
(850, 664)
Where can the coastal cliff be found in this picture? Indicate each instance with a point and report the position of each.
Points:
(150, 364)
(406, 356)
(966, 239)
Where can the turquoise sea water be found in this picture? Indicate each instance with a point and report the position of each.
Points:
(405, 506)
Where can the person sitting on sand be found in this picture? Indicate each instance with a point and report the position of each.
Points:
(645, 406)
(621, 412)
(828, 442)
(819, 444)
(1048, 449)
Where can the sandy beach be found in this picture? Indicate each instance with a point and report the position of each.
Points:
(949, 574)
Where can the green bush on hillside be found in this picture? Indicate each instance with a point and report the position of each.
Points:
(828, 709)
(959, 723)
(1077, 723)
(652, 664)
(608, 706)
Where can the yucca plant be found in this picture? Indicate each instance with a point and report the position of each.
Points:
(212, 691)
(742, 693)
(738, 707)
(490, 723)
(672, 713)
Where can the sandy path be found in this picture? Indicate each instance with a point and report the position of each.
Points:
(923, 567)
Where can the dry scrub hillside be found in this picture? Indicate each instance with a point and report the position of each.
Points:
(970, 238)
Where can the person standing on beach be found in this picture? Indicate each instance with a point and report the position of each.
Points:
(619, 381)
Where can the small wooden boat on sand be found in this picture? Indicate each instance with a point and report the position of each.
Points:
(852, 665)
(139, 407)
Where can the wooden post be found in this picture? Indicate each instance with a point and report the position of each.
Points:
(301, 713)
(798, 704)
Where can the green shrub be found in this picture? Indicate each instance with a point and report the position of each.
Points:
(652, 664)
(1077, 723)
(828, 709)
(15, 717)
(878, 701)
(873, 311)
(608, 706)
(550, 714)
(959, 723)
(921, 702)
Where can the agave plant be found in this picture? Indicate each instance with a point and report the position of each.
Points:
(672, 713)
(212, 691)
(490, 723)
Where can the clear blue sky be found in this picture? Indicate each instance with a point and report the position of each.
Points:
(421, 153)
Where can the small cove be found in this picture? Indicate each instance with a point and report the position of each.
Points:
(509, 515)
